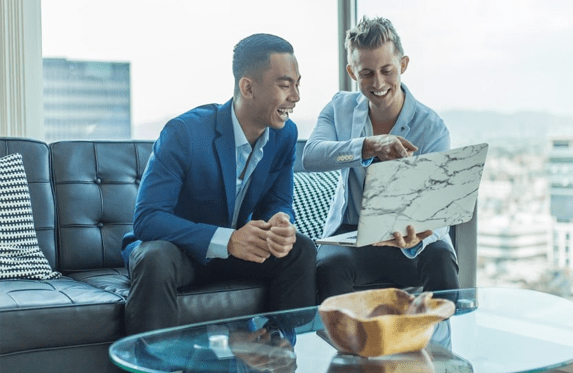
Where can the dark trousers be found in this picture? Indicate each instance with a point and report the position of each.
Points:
(340, 268)
(158, 268)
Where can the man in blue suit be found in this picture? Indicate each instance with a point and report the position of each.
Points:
(215, 201)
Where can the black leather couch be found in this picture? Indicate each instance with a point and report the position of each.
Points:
(83, 194)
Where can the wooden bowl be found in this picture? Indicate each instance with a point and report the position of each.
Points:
(380, 322)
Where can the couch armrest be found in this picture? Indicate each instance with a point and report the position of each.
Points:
(464, 238)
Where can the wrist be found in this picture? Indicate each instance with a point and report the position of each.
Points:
(366, 149)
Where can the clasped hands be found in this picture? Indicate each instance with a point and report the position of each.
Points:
(257, 240)
(389, 147)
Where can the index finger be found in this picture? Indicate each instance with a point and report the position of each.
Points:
(260, 224)
(399, 239)
(400, 149)
(283, 231)
(407, 144)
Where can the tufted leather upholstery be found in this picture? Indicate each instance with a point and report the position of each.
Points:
(95, 185)
(56, 313)
(83, 194)
(88, 188)
(36, 159)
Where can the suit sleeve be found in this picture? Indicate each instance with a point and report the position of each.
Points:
(162, 181)
(324, 151)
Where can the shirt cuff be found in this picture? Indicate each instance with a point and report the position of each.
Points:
(219, 242)
(412, 252)
(367, 162)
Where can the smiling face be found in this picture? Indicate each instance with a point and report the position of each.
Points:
(272, 95)
(378, 74)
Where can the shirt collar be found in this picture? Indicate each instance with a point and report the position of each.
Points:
(240, 138)
(407, 112)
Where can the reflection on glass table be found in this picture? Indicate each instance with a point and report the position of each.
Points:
(493, 330)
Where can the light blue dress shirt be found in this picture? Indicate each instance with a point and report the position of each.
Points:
(336, 144)
(218, 245)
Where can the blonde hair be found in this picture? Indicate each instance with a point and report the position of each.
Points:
(372, 33)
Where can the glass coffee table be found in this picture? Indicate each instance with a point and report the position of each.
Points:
(493, 330)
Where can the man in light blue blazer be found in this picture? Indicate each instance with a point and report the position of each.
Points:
(383, 121)
(215, 200)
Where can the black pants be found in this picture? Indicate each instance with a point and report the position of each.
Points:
(340, 268)
(158, 268)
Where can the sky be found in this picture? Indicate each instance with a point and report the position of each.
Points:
(494, 55)
(501, 55)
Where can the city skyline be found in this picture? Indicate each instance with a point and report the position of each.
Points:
(499, 56)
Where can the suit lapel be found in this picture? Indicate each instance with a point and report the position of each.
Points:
(225, 146)
(360, 116)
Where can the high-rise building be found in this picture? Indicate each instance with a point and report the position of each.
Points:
(562, 254)
(86, 100)
(560, 170)
(560, 167)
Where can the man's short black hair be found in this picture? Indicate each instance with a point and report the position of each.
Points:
(252, 54)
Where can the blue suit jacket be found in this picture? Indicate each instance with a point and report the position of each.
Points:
(188, 188)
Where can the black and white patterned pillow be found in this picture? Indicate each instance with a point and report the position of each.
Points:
(313, 193)
(20, 255)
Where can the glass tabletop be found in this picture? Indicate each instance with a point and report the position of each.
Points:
(493, 330)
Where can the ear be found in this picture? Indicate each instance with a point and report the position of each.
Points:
(404, 64)
(350, 72)
(246, 87)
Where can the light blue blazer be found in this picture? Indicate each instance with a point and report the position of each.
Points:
(336, 144)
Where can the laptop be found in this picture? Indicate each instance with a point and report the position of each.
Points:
(426, 191)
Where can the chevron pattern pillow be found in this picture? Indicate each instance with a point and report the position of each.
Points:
(313, 192)
(20, 255)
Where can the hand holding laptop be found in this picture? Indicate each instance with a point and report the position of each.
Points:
(426, 191)
(405, 242)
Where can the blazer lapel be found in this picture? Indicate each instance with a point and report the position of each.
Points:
(360, 116)
(225, 146)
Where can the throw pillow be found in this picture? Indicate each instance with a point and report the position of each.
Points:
(20, 255)
(313, 192)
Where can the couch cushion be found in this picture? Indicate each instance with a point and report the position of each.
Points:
(313, 192)
(36, 160)
(20, 256)
(198, 302)
(96, 185)
(53, 313)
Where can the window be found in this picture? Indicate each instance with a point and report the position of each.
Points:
(497, 72)
(174, 55)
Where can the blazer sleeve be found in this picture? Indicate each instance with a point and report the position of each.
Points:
(161, 185)
(326, 149)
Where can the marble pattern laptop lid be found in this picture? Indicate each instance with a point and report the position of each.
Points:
(427, 191)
